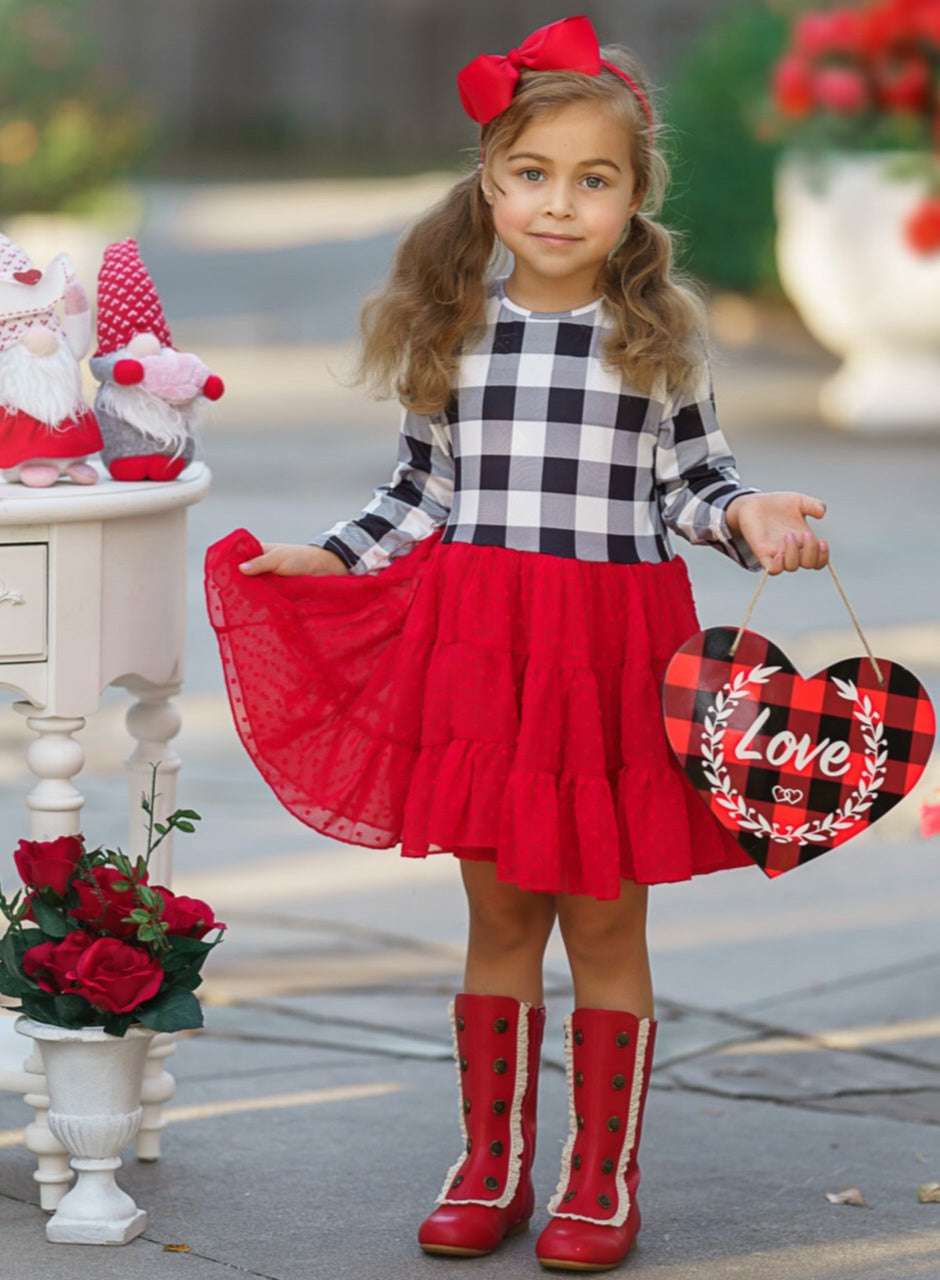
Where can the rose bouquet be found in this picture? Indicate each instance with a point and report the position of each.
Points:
(867, 77)
(92, 943)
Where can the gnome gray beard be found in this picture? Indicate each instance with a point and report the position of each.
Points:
(168, 426)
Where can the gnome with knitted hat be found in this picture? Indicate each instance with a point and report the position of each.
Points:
(46, 429)
(151, 395)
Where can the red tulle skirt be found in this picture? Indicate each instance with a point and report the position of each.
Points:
(491, 703)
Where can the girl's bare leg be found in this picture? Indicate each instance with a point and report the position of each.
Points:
(509, 929)
(607, 953)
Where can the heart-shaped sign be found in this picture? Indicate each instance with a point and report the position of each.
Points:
(793, 767)
(33, 276)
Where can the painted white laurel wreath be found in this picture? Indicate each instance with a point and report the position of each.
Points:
(748, 819)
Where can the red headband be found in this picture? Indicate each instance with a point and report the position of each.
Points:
(488, 82)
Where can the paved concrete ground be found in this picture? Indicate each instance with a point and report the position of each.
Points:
(799, 1051)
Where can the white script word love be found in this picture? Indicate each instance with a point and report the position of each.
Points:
(785, 747)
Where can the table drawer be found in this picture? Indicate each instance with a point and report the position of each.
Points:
(23, 629)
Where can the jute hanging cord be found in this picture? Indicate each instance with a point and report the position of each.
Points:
(845, 600)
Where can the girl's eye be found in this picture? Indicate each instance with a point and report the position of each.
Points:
(594, 183)
(532, 175)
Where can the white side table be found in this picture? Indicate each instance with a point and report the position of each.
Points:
(93, 593)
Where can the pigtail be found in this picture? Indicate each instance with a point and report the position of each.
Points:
(415, 327)
(659, 317)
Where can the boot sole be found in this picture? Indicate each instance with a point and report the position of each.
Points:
(455, 1251)
(559, 1264)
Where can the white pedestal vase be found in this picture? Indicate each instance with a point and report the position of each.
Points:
(94, 1084)
(861, 290)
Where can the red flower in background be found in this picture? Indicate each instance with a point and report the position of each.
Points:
(867, 77)
(903, 83)
(841, 90)
(793, 88)
(922, 229)
(830, 31)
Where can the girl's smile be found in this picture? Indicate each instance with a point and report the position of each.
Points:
(561, 198)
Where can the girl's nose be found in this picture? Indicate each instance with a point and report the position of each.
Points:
(558, 200)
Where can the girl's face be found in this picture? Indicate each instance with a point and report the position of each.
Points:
(561, 196)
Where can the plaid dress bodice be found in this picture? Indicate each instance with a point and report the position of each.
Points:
(544, 448)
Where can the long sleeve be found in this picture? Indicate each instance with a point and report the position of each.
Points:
(415, 502)
(696, 474)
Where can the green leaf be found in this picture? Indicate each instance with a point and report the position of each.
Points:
(41, 1008)
(173, 1010)
(72, 1009)
(50, 920)
(12, 983)
(185, 826)
(117, 1024)
(188, 813)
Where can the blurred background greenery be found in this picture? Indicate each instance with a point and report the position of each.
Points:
(95, 90)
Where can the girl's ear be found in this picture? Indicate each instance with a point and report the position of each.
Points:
(486, 188)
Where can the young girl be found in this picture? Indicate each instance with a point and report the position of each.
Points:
(473, 664)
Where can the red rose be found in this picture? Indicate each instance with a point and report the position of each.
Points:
(841, 90)
(793, 88)
(190, 917)
(48, 864)
(922, 229)
(107, 916)
(116, 977)
(52, 964)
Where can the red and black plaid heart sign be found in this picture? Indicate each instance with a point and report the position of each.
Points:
(793, 767)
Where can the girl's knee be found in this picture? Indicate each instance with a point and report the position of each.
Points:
(592, 928)
(508, 916)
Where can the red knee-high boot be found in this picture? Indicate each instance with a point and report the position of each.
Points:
(488, 1194)
(595, 1216)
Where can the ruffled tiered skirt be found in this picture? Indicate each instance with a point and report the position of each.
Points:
(490, 703)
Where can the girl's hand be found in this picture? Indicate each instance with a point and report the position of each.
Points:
(774, 526)
(290, 559)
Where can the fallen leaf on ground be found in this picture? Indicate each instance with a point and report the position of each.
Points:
(848, 1195)
(176, 1248)
(929, 1193)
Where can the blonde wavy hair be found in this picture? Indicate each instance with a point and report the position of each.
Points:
(414, 329)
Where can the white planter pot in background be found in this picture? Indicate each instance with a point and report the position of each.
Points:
(94, 1083)
(860, 290)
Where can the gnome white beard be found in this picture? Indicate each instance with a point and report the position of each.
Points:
(167, 425)
(48, 388)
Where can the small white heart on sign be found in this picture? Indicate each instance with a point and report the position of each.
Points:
(787, 795)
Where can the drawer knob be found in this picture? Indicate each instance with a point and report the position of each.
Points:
(10, 597)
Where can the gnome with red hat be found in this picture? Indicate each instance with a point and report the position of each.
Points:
(46, 428)
(151, 395)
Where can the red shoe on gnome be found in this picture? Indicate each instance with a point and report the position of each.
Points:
(47, 430)
(151, 396)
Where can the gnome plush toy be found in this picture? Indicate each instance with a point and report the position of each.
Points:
(46, 428)
(151, 395)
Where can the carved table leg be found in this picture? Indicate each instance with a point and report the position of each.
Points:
(54, 804)
(153, 721)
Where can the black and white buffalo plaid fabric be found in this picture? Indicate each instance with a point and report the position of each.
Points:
(544, 448)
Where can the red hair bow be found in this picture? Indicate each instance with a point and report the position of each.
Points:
(488, 82)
